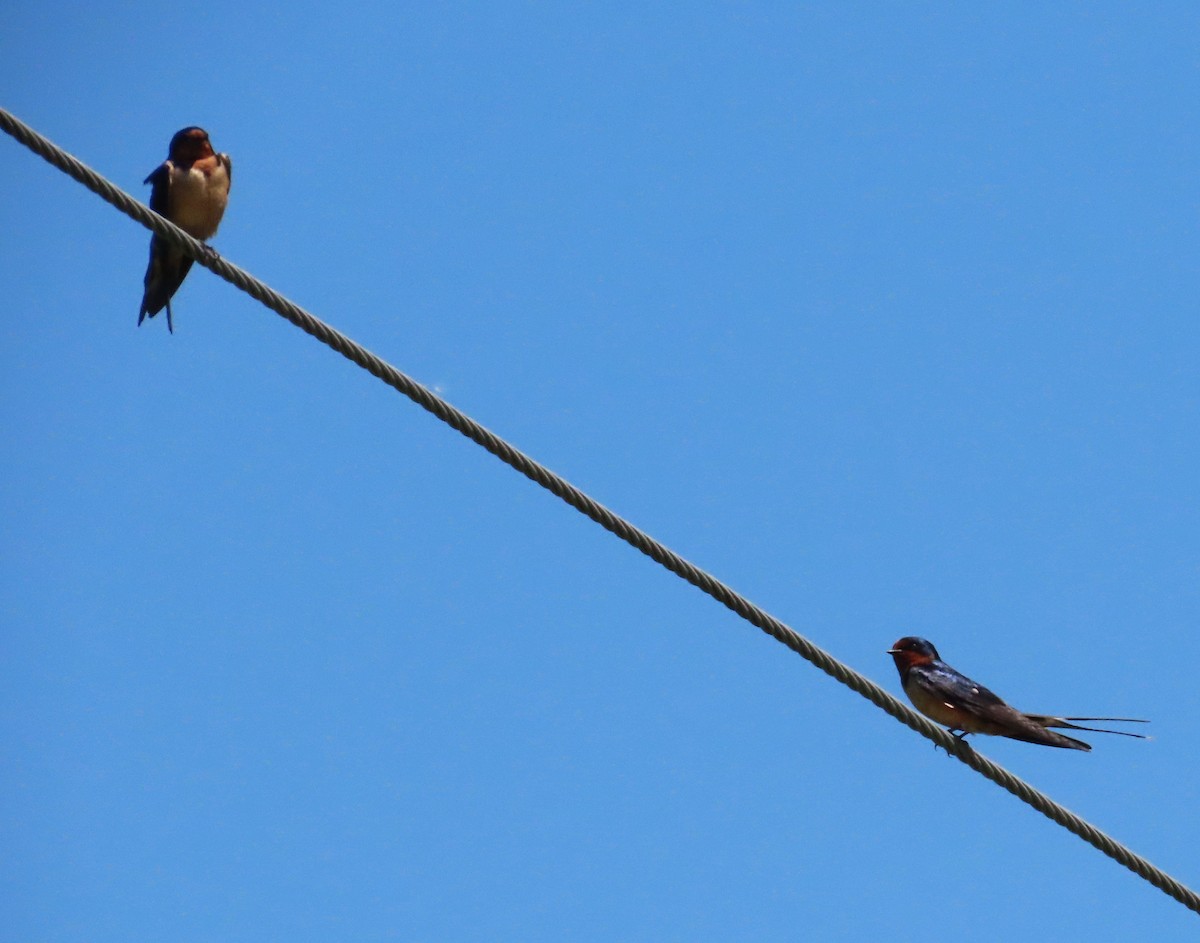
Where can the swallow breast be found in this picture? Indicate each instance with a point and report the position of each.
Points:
(198, 197)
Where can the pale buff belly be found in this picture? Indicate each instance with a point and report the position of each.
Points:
(938, 710)
(198, 200)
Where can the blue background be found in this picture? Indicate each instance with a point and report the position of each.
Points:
(883, 313)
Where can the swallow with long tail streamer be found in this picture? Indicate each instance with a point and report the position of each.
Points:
(191, 188)
(949, 697)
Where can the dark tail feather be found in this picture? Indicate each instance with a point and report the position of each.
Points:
(1047, 738)
(164, 275)
(1047, 721)
(1072, 743)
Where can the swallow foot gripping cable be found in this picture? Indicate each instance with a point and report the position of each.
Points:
(601, 515)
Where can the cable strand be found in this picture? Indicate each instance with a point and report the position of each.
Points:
(597, 512)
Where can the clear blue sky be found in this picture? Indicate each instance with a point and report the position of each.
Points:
(884, 314)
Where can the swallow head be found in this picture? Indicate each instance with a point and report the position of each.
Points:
(910, 651)
(190, 145)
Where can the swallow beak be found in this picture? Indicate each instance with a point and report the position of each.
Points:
(893, 651)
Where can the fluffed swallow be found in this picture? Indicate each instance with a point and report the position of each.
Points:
(951, 698)
(191, 188)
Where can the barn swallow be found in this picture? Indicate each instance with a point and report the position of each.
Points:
(951, 698)
(191, 188)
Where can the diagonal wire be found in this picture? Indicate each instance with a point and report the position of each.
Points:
(610, 521)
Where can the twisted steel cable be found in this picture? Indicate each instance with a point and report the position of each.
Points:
(607, 519)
